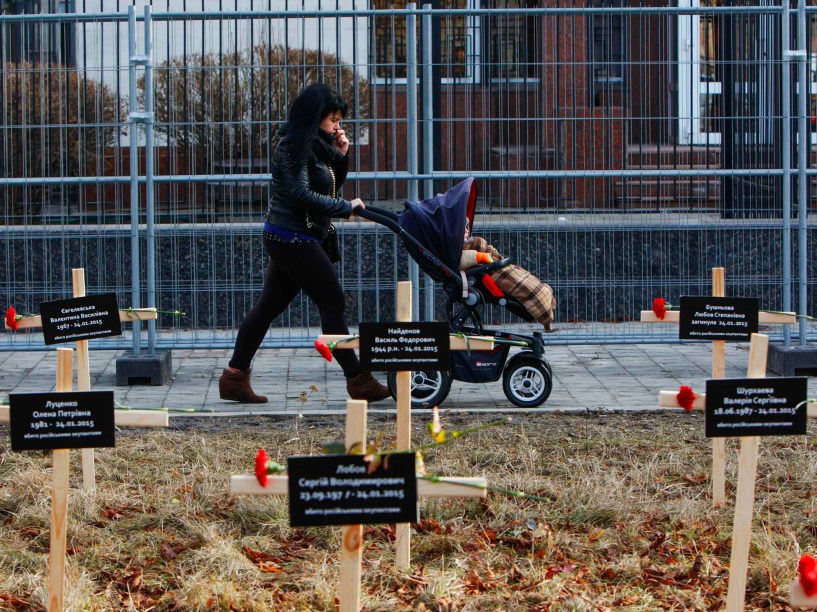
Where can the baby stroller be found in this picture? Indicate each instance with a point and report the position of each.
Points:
(432, 231)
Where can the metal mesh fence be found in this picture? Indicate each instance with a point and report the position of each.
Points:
(621, 152)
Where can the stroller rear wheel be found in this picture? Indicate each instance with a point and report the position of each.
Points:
(527, 381)
(428, 389)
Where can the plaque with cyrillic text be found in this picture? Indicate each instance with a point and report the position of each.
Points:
(48, 421)
(341, 490)
(737, 407)
(718, 318)
(396, 347)
(82, 318)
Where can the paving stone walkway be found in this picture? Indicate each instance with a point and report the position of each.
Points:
(586, 378)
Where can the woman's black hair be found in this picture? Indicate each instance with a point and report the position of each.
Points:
(305, 115)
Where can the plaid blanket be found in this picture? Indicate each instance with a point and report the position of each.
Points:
(535, 296)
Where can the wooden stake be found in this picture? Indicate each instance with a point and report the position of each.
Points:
(745, 497)
(84, 384)
(718, 371)
(351, 554)
(403, 530)
(59, 496)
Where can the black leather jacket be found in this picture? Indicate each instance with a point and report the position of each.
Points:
(299, 194)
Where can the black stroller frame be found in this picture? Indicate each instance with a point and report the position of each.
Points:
(527, 375)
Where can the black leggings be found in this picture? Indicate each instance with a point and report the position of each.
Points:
(295, 266)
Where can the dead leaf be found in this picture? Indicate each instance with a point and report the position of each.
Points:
(256, 556)
(772, 583)
(166, 552)
(30, 532)
(267, 566)
(695, 570)
(134, 580)
(13, 600)
(626, 600)
(596, 534)
(560, 569)
(428, 525)
(474, 583)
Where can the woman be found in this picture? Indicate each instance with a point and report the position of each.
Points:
(308, 168)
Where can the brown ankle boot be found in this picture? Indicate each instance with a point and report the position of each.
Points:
(365, 387)
(235, 385)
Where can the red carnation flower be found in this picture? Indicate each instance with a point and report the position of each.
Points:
(324, 350)
(261, 464)
(685, 397)
(807, 568)
(11, 318)
(659, 307)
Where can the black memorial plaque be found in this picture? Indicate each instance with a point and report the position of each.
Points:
(755, 407)
(718, 318)
(338, 490)
(395, 347)
(83, 318)
(48, 421)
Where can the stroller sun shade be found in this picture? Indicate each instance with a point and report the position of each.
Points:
(438, 223)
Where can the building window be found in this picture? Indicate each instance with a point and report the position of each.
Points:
(607, 51)
(513, 40)
(458, 38)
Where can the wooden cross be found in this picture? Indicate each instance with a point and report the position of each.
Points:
(747, 472)
(84, 372)
(718, 371)
(352, 552)
(60, 468)
(403, 391)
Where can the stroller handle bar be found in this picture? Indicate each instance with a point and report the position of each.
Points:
(388, 219)
(377, 211)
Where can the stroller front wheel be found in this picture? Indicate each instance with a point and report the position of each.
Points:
(527, 381)
(428, 389)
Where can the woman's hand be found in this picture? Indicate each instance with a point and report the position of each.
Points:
(357, 204)
(341, 142)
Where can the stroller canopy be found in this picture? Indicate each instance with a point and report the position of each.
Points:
(438, 223)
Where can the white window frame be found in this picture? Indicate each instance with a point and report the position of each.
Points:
(690, 86)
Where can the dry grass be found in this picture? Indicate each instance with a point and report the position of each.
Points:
(628, 524)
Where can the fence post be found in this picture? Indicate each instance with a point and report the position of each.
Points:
(153, 368)
(790, 360)
(411, 137)
(803, 150)
(150, 224)
(785, 111)
(133, 134)
(428, 138)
